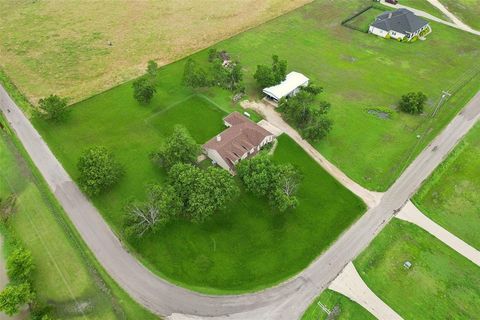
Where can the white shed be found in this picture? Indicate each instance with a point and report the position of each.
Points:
(288, 87)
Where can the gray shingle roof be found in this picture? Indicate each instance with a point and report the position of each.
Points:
(401, 20)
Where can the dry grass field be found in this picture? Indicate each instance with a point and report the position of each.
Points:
(63, 46)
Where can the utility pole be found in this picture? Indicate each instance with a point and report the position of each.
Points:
(445, 96)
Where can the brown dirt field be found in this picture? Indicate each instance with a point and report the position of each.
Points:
(62, 46)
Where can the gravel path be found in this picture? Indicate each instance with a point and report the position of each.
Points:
(450, 15)
(412, 214)
(268, 111)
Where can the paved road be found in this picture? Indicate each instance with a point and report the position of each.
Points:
(286, 301)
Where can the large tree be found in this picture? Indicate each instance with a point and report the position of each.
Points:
(162, 205)
(53, 108)
(20, 265)
(13, 297)
(279, 69)
(194, 76)
(203, 192)
(268, 76)
(257, 174)
(307, 114)
(229, 77)
(179, 147)
(143, 90)
(413, 102)
(98, 169)
(287, 180)
(277, 183)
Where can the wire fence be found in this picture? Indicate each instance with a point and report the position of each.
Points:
(426, 127)
(346, 22)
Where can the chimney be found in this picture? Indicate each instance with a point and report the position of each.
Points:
(219, 138)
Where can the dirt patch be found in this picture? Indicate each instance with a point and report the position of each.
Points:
(380, 114)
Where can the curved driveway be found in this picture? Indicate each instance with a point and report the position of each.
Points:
(286, 301)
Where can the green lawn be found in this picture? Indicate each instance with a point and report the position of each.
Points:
(358, 72)
(441, 284)
(202, 118)
(246, 247)
(451, 196)
(348, 309)
(424, 5)
(466, 10)
(63, 276)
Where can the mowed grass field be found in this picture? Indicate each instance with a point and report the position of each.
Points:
(64, 49)
(466, 10)
(441, 284)
(358, 71)
(348, 309)
(246, 247)
(64, 279)
(451, 196)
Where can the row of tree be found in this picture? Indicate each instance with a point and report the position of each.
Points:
(19, 290)
(20, 267)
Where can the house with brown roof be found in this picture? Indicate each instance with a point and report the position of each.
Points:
(242, 139)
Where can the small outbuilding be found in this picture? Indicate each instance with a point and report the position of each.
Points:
(399, 24)
(288, 87)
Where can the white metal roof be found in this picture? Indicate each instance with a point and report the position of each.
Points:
(287, 86)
